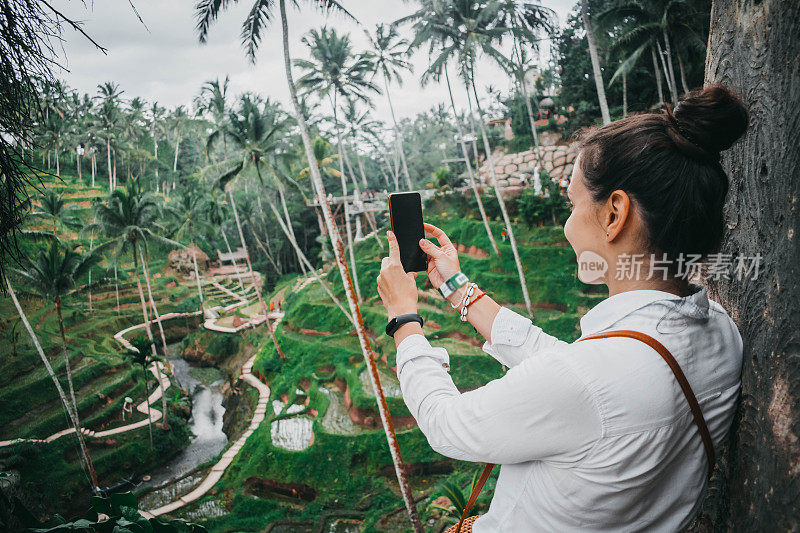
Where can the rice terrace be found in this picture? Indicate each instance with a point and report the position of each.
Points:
(221, 309)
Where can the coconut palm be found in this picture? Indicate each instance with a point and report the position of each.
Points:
(335, 72)
(213, 102)
(139, 356)
(255, 128)
(72, 415)
(55, 209)
(527, 20)
(430, 23)
(156, 128)
(108, 116)
(261, 13)
(130, 218)
(595, 57)
(179, 117)
(645, 24)
(51, 276)
(462, 30)
(388, 52)
(189, 213)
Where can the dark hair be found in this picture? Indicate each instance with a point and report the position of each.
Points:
(668, 163)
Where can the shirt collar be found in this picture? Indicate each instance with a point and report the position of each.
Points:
(613, 308)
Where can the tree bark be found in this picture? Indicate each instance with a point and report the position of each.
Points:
(657, 72)
(149, 330)
(67, 366)
(253, 277)
(146, 273)
(398, 135)
(498, 193)
(471, 176)
(598, 75)
(753, 48)
(235, 265)
(338, 250)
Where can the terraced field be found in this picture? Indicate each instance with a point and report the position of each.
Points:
(344, 468)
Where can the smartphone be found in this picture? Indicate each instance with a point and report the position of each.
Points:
(405, 215)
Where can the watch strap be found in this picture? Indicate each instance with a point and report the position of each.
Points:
(451, 285)
(399, 320)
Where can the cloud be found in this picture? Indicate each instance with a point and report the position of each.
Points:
(167, 64)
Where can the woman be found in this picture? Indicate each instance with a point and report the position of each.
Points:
(597, 435)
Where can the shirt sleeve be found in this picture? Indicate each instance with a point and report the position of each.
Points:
(515, 338)
(539, 410)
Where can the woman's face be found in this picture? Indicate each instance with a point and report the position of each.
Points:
(584, 230)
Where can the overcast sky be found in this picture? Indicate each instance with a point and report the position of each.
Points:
(167, 64)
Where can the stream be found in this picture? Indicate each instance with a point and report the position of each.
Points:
(205, 424)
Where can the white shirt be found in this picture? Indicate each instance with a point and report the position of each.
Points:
(591, 436)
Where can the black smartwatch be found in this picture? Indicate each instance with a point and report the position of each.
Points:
(399, 320)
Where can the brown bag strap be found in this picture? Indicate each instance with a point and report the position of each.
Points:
(474, 496)
(699, 420)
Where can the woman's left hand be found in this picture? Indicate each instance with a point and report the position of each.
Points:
(396, 287)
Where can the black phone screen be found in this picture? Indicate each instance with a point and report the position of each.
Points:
(405, 213)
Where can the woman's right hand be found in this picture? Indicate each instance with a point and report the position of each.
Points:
(442, 259)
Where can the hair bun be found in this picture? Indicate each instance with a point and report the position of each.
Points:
(712, 118)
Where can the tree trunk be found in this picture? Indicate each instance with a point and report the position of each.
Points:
(673, 92)
(346, 214)
(498, 193)
(598, 75)
(94, 167)
(177, 147)
(116, 285)
(110, 173)
(146, 273)
(753, 48)
(149, 331)
(67, 366)
(302, 257)
(253, 277)
(338, 251)
(358, 193)
(624, 94)
(197, 278)
(235, 265)
(155, 153)
(669, 64)
(683, 73)
(85, 457)
(472, 183)
(147, 401)
(657, 72)
(398, 135)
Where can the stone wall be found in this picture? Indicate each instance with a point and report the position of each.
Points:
(557, 160)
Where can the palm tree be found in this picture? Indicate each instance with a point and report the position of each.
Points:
(644, 24)
(260, 13)
(130, 218)
(598, 74)
(526, 19)
(178, 119)
(110, 95)
(189, 213)
(52, 276)
(139, 356)
(72, 415)
(389, 55)
(55, 208)
(156, 127)
(213, 102)
(461, 31)
(334, 71)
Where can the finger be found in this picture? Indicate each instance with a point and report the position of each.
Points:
(440, 235)
(413, 274)
(429, 248)
(394, 247)
(384, 262)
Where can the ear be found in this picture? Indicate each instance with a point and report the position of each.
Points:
(617, 208)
